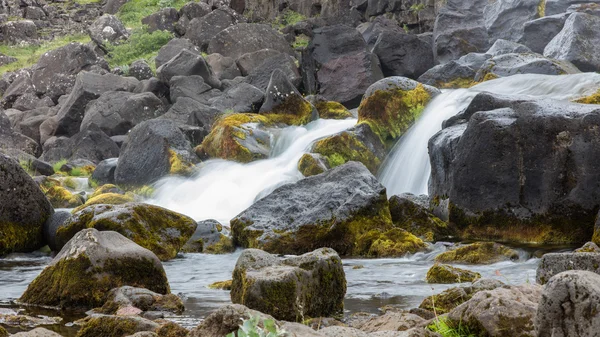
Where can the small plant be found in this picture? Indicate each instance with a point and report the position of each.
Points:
(58, 165)
(70, 183)
(406, 29)
(250, 328)
(441, 326)
(417, 8)
(288, 18)
(26, 165)
(301, 42)
(165, 3)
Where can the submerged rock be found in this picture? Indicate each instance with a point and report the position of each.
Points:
(23, 209)
(345, 209)
(313, 284)
(162, 231)
(443, 273)
(91, 264)
(569, 305)
(478, 253)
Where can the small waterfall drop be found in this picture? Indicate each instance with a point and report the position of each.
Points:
(407, 167)
(222, 189)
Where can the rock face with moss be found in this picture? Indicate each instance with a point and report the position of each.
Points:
(115, 326)
(106, 199)
(451, 298)
(284, 103)
(61, 197)
(358, 143)
(478, 253)
(91, 264)
(409, 214)
(391, 105)
(208, 238)
(311, 285)
(504, 311)
(162, 231)
(237, 137)
(345, 209)
(23, 209)
(443, 273)
(225, 320)
(519, 170)
(311, 164)
(154, 149)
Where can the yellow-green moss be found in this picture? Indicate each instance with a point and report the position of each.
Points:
(171, 329)
(591, 99)
(222, 285)
(224, 139)
(20, 237)
(457, 83)
(3, 332)
(489, 77)
(48, 183)
(344, 147)
(60, 197)
(478, 253)
(144, 191)
(442, 273)
(391, 112)
(419, 221)
(541, 9)
(70, 183)
(76, 283)
(147, 225)
(178, 165)
(294, 110)
(107, 199)
(332, 110)
(107, 188)
(110, 326)
(309, 165)
(446, 301)
(392, 243)
(224, 246)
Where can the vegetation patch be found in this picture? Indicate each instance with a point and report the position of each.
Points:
(140, 45)
(133, 11)
(591, 99)
(442, 326)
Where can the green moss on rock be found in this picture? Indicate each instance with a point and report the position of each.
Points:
(392, 243)
(3, 332)
(478, 253)
(179, 166)
(115, 326)
(310, 165)
(344, 147)
(293, 110)
(332, 110)
(107, 188)
(107, 199)
(591, 99)
(442, 273)
(418, 220)
(171, 329)
(222, 285)
(160, 230)
(391, 112)
(224, 246)
(225, 139)
(60, 197)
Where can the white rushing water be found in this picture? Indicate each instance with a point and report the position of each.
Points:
(407, 168)
(222, 189)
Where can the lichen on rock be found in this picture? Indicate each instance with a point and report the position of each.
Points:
(478, 253)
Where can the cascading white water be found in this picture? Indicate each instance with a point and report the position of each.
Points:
(407, 167)
(222, 189)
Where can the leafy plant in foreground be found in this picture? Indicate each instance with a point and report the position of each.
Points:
(250, 328)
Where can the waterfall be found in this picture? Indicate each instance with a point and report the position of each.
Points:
(222, 189)
(407, 167)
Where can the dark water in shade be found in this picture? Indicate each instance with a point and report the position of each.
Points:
(380, 282)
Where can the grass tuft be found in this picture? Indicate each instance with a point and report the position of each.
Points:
(132, 12)
(140, 45)
(58, 165)
(441, 326)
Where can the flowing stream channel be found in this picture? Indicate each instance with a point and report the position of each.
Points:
(222, 189)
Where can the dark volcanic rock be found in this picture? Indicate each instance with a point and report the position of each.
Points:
(172, 48)
(202, 30)
(107, 29)
(403, 54)
(164, 19)
(537, 33)
(91, 144)
(23, 209)
(105, 171)
(187, 63)
(243, 38)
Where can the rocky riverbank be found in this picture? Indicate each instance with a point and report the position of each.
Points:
(134, 133)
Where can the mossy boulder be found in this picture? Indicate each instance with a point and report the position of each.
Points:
(60, 197)
(162, 231)
(107, 188)
(107, 199)
(208, 238)
(221, 285)
(237, 137)
(409, 214)
(284, 103)
(355, 144)
(311, 285)
(143, 299)
(225, 320)
(392, 243)
(23, 209)
(115, 326)
(334, 209)
(171, 329)
(555, 263)
(89, 266)
(332, 110)
(478, 253)
(451, 298)
(443, 273)
(589, 247)
(3, 332)
(391, 105)
(311, 164)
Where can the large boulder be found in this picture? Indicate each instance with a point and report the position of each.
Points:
(284, 103)
(123, 298)
(391, 105)
(91, 264)
(203, 29)
(107, 29)
(403, 54)
(192, 86)
(172, 48)
(449, 299)
(338, 66)
(164, 19)
(519, 169)
(505, 19)
(11, 140)
(237, 40)
(187, 63)
(409, 214)
(504, 311)
(552, 7)
(162, 231)
(313, 284)
(539, 32)
(391, 321)
(208, 238)
(578, 42)
(569, 305)
(345, 209)
(91, 144)
(19, 31)
(524, 63)
(240, 98)
(68, 60)
(555, 263)
(88, 86)
(261, 74)
(23, 209)
(443, 273)
(115, 113)
(154, 148)
(105, 171)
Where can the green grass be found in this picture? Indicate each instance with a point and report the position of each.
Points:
(26, 165)
(140, 45)
(56, 166)
(301, 42)
(132, 12)
(288, 18)
(86, 2)
(29, 55)
(70, 183)
(440, 325)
